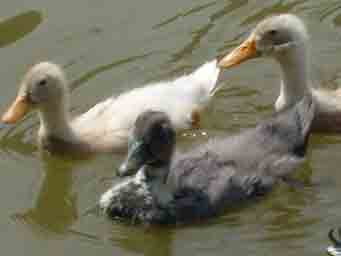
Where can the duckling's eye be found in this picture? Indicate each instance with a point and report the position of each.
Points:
(42, 82)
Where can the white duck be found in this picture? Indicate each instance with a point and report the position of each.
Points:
(105, 127)
(285, 38)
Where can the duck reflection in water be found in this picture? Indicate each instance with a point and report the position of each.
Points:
(210, 178)
(55, 209)
(149, 240)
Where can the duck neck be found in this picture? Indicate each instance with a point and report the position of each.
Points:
(55, 121)
(156, 177)
(295, 80)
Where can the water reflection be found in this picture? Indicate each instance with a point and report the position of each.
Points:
(144, 241)
(18, 26)
(11, 145)
(55, 208)
(286, 220)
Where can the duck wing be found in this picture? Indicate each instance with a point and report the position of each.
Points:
(183, 99)
(227, 171)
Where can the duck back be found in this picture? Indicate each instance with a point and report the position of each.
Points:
(225, 171)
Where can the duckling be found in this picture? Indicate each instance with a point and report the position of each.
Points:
(335, 249)
(105, 127)
(285, 38)
(162, 189)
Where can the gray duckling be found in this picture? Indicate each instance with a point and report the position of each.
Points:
(210, 178)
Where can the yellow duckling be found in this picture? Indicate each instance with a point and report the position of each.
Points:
(105, 127)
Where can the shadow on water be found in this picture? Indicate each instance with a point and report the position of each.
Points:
(55, 208)
(18, 26)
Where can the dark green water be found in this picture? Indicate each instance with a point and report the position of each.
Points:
(108, 47)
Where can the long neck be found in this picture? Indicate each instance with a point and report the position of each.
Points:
(295, 78)
(55, 120)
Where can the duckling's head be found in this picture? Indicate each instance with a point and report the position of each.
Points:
(151, 144)
(275, 36)
(43, 86)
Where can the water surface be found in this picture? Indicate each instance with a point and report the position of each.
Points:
(108, 47)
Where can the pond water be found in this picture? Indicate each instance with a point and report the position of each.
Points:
(108, 47)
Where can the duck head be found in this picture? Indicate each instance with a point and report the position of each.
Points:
(43, 87)
(151, 144)
(275, 36)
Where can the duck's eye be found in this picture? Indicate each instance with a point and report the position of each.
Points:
(273, 32)
(42, 82)
(162, 133)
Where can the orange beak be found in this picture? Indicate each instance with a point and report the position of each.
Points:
(17, 110)
(247, 50)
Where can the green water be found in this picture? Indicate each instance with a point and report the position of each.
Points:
(108, 47)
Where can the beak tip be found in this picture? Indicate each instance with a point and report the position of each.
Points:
(6, 119)
(9, 118)
(16, 111)
(247, 50)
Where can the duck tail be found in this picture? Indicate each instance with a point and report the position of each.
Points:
(206, 77)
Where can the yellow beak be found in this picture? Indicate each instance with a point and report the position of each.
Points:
(247, 50)
(17, 110)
